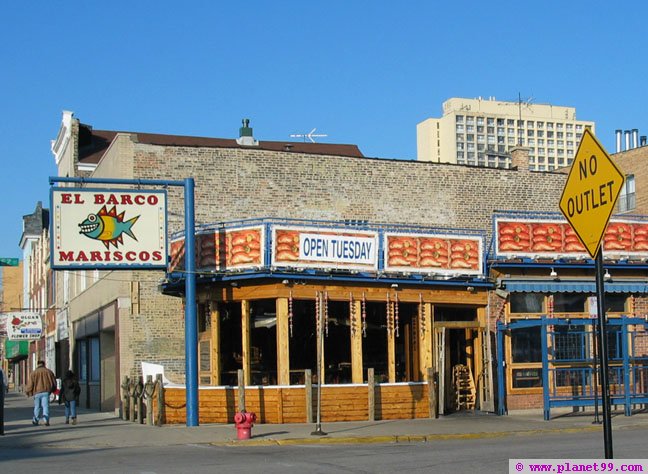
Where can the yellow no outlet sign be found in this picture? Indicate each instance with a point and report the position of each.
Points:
(591, 192)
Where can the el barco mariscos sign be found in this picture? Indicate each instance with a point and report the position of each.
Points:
(100, 228)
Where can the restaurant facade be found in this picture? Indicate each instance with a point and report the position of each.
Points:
(397, 274)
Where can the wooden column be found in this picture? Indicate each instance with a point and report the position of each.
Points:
(214, 315)
(283, 342)
(426, 336)
(406, 335)
(356, 345)
(245, 341)
(391, 353)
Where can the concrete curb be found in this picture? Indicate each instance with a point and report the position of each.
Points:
(398, 438)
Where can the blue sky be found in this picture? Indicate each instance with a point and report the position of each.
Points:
(363, 72)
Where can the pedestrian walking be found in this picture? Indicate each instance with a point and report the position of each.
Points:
(3, 380)
(42, 382)
(70, 390)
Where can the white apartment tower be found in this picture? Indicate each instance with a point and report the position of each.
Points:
(482, 131)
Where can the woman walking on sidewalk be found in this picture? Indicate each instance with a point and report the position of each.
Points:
(70, 391)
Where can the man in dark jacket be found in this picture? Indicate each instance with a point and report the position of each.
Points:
(42, 382)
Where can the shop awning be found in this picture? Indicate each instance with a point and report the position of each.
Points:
(575, 286)
(16, 349)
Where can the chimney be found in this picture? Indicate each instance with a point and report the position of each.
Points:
(520, 158)
(245, 135)
(627, 139)
(619, 139)
(635, 138)
(642, 140)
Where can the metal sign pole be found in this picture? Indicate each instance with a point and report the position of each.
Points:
(595, 376)
(191, 323)
(603, 352)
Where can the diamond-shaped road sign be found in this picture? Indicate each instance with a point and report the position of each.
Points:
(591, 192)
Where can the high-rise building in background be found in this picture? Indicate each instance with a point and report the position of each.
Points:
(482, 132)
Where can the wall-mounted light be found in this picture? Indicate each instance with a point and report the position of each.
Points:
(470, 288)
(234, 284)
(553, 273)
(285, 282)
(607, 275)
(394, 285)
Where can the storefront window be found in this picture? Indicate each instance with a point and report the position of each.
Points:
(263, 342)
(95, 360)
(374, 345)
(303, 343)
(569, 302)
(527, 378)
(527, 302)
(230, 343)
(526, 345)
(570, 343)
(616, 303)
(82, 348)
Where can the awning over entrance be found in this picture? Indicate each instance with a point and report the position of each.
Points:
(575, 286)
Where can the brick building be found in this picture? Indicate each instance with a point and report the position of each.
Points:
(255, 190)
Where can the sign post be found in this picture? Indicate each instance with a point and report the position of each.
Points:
(109, 227)
(588, 199)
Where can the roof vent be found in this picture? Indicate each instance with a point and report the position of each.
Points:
(245, 135)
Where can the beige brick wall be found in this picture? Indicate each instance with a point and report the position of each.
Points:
(636, 162)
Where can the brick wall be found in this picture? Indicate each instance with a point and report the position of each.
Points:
(234, 184)
(246, 183)
(636, 162)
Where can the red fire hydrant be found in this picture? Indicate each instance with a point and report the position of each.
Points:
(244, 421)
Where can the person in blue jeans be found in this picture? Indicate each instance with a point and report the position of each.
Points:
(42, 382)
(70, 391)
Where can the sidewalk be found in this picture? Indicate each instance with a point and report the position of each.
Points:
(103, 430)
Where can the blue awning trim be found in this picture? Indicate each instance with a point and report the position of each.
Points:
(527, 286)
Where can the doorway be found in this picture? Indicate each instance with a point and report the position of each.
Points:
(457, 357)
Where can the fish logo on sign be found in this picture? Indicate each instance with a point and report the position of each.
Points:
(108, 227)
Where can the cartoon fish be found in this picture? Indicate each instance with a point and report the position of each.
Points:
(108, 226)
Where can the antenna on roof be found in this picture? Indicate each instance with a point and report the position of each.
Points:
(527, 104)
(309, 136)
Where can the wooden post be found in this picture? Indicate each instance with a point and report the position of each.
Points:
(241, 390)
(125, 399)
(356, 344)
(283, 340)
(214, 314)
(245, 341)
(391, 355)
(160, 388)
(133, 400)
(139, 396)
(426, 331)
(432, 394)
(371, 395)
(308, 384)
(148, 390)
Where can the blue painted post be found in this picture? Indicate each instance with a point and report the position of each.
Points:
(626, 365)
(191, 322)
(545, 369)
(501, 394)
